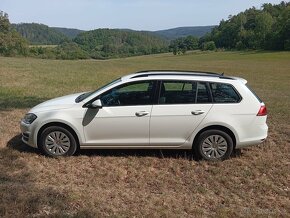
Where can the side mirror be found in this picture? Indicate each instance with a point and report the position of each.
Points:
(96, 104)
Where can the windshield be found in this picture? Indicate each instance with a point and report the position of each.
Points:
(87, 94)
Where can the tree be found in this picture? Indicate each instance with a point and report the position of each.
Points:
(11, 43)
(183, 44)
(4, 22)
(264, 22)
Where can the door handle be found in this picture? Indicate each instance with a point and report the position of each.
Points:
(141, 113)
(197, 112)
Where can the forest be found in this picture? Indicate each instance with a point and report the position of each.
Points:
(267, 28)
(112, 43)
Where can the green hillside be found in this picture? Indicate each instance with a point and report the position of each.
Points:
(40, 34)
(197, 31)
(69, 32)
(108, 43)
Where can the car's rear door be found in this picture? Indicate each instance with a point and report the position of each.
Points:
(181, 107)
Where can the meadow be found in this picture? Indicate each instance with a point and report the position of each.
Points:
(255, 182)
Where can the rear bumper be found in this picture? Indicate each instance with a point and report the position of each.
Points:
(260, 135)
(250, 143)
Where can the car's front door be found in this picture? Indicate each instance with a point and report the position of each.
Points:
(124, 118)
(181, 108)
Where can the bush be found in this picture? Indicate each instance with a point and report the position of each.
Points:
(70, 51)
(209, 46)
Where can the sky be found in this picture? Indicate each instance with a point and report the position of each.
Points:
(131, 14)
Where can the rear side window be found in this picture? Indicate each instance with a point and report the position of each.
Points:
(203, 94)
(224, 93)
(177, 92)
(184, 92)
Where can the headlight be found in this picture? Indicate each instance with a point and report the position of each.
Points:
(29, 118)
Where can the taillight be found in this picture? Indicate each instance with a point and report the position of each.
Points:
(262, 111)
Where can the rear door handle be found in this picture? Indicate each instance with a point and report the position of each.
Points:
(197, 112)
(141, 113)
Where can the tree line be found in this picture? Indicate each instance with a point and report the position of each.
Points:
(33, 40)
(267, 28)
(40, 34)
(113, 43)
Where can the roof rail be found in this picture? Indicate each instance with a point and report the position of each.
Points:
(178, 73)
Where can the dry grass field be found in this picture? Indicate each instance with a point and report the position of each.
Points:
(98, 183)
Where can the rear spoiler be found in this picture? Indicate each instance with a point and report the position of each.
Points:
(240, 79)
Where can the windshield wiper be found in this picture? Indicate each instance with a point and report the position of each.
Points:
(82, 97)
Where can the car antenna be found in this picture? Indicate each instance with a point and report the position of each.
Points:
(222, 73)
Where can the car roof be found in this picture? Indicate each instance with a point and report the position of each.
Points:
(181, 74)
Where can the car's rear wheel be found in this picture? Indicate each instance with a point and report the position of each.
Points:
(56, 141)
(214, 145)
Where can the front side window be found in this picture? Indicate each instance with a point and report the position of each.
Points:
(177, 92)
(137, 93)
(224, 93)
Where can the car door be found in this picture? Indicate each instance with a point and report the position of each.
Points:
(124, 117)
(181, 107)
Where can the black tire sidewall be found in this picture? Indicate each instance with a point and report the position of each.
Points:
(207, 133)
(73, 144)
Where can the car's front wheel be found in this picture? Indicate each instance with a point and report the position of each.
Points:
(56, 141)
(214, 145)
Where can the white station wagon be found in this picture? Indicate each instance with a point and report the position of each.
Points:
(210, 113)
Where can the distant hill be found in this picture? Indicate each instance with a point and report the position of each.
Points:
(178, 32)
(70, 33)
(107, 43)
(40, 34)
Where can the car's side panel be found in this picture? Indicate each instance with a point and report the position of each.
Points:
(117, 126)
(171, 125)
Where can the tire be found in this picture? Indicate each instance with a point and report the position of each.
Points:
(214, 145)
(56, 141)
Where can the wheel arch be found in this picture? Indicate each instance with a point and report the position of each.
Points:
(216, 127)
(67, 127)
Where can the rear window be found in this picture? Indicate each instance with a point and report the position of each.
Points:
(224, 93)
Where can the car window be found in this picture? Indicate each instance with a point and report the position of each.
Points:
(203, 95)
(137, 93)
(177, 92)
(224, 93)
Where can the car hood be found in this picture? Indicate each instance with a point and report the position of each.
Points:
(64, 102)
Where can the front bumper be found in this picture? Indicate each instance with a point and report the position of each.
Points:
(27, 134)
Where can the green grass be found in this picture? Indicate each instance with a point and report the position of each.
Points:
(33, 80)
(142, 183)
